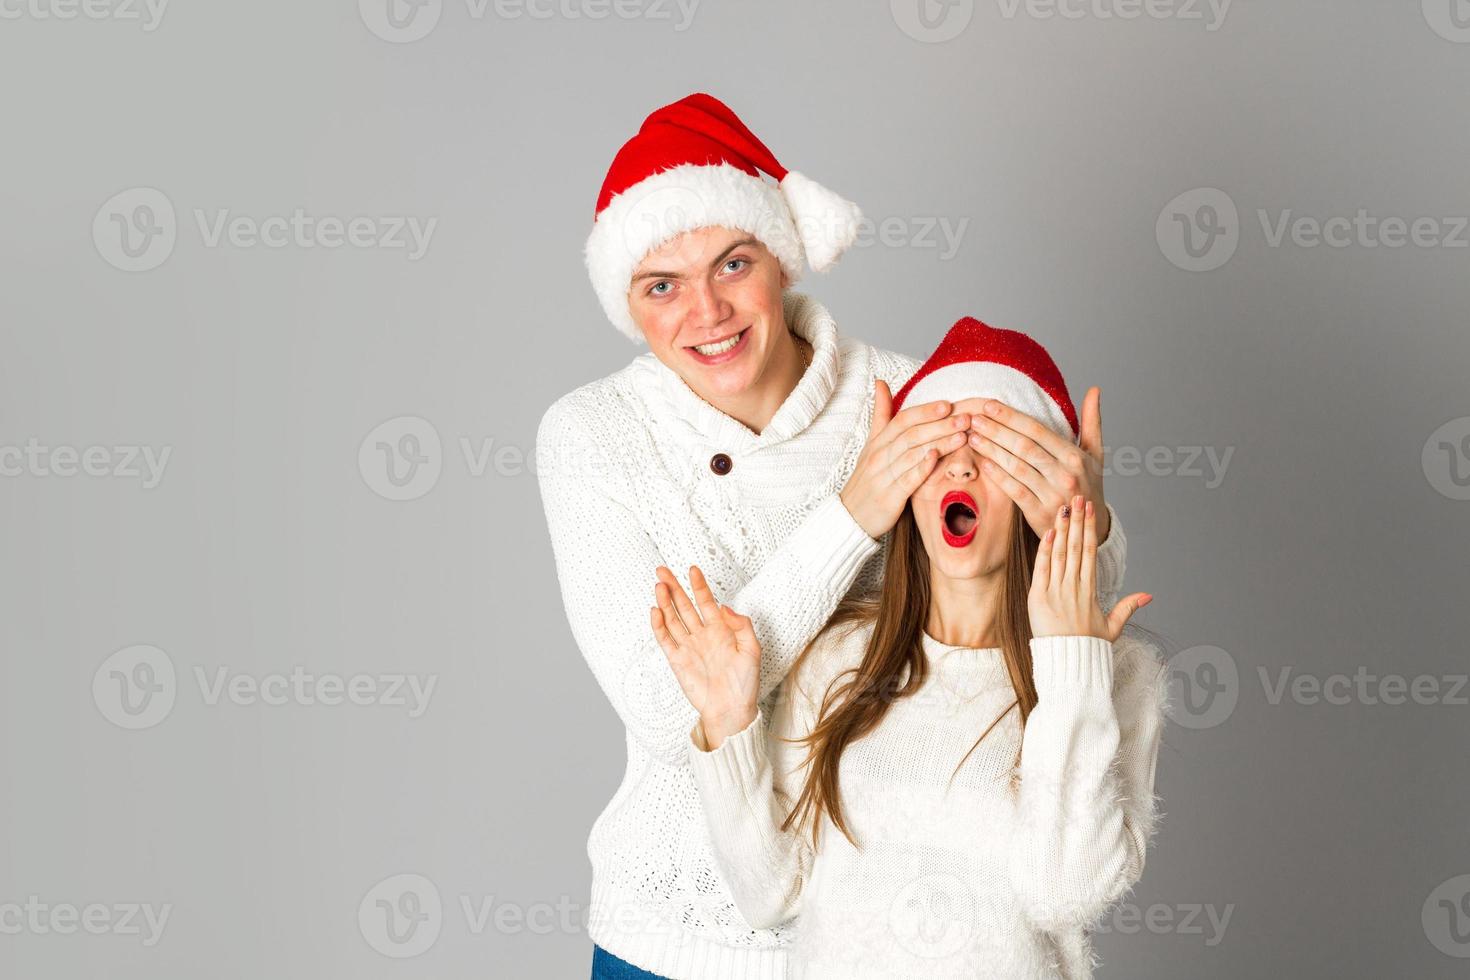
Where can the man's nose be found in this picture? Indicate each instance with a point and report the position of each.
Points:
(710, 307)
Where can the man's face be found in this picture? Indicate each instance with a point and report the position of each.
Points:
(709, 305)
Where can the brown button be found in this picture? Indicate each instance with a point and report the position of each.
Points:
(720, 463)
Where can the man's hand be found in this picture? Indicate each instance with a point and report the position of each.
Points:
(901, 451)
(1037, 468)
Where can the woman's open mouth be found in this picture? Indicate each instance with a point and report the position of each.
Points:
(959, 518)
(720, 351)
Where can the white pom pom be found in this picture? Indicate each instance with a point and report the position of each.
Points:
(827, 223)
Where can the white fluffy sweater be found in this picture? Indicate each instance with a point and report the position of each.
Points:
(626, 482)
(974, 878)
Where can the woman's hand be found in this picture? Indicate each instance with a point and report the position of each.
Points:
(713, 652)
(901, 451)
(1063, 599)
(1037, 468)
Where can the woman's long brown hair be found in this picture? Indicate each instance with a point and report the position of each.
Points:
(894, 664)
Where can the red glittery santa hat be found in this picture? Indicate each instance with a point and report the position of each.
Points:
(975, 360)
(694, 164)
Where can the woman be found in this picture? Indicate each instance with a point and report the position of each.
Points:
(776, 464)
(908, 846)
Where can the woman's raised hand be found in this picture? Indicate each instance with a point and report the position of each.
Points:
(713, 652)
(901, 451)
(1063, 599)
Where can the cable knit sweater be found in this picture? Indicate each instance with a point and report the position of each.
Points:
(963, 880)
(626, 482)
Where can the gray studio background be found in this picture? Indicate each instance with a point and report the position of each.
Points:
(1311, 829)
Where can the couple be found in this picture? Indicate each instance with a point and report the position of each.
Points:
(894, 726)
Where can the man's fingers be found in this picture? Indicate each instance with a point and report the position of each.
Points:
(1012, 467)
(1018, 421)
(913, 477)
(1090, 438)
(911, 416)
(1125, 608)
(1021, 495)
(908, 450)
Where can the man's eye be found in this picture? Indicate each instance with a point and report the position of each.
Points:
(657, 288)
(739, 262)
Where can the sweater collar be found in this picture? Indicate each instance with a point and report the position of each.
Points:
(967, 670)
(807, 318)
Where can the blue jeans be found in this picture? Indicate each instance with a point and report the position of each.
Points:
(606, 966)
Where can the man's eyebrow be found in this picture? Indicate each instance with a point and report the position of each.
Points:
(718, 259)
(733, 246)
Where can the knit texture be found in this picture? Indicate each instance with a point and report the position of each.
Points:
(625, 477)
(974, 878)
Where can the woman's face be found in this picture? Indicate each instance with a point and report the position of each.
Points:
(964, 518)
(706, 289)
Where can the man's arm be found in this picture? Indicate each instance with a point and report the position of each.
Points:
(606, 563)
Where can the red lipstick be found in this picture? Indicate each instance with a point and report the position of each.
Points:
(958, 518)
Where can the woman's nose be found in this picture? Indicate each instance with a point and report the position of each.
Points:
(962, 465)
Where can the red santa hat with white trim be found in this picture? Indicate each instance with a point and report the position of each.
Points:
(694, 164)
(975, 360)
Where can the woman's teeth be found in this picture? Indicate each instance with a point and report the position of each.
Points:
(710, 350)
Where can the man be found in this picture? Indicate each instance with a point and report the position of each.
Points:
(754, 441)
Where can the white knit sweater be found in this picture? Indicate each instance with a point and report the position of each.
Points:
(971, 879)
(626, 482)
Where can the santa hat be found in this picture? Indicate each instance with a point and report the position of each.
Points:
(979, 361)
(694, 164)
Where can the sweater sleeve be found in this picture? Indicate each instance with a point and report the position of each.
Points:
(606, 561)
(1086, 809)
(747, 787)
(1112, 562)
